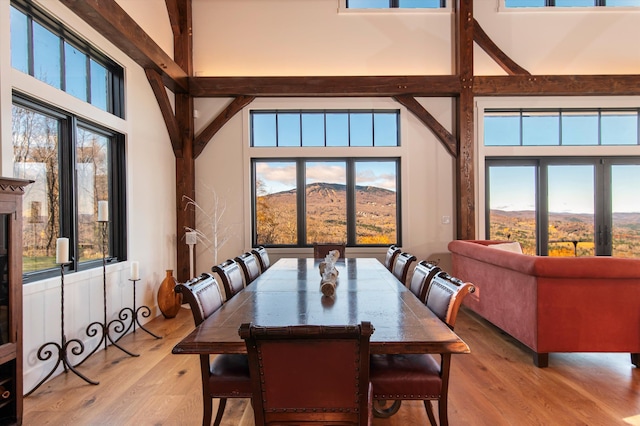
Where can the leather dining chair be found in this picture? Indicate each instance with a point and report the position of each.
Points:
(250, 267)
(309, 374)
(390, 259)
(402, 266)
(320, 250)
(227, 376)
(231, 275)
(422, 276)
(421, 376)
(263, 258)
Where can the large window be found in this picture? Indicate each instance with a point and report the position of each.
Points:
(566, 206)
(74, 164)
(301, 201)
(48, 51)
(334, 194)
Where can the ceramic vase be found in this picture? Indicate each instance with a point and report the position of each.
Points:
(168, 300)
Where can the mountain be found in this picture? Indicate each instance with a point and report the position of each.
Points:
(326, 207)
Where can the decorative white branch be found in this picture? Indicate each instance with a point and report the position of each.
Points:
(213, 234)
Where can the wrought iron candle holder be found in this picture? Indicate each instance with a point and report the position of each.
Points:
(105, 327)
(134, 313)
(46, 350)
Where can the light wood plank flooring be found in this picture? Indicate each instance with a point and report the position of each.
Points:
(497, 384)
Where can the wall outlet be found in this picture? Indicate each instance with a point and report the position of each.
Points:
(446, 220)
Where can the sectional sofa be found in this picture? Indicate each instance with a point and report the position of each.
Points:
(553, 304)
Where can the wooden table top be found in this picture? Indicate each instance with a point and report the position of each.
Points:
(288, 293)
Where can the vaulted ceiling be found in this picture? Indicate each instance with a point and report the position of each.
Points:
(176, 74)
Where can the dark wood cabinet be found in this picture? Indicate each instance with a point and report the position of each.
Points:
(11, 191)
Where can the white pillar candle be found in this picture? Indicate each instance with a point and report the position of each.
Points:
(135, 270)
(62, 250)
(103, 211)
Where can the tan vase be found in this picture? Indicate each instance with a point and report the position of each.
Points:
(168, 300)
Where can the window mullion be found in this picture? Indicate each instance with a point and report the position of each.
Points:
(301, 194)
(67, 192)
(351, 202)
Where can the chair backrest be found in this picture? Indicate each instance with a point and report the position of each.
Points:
(390, 259)
(422, 276)
(263, 257)
(320, 250)
(445, 295)
(250, 267)
(310, 373)
(402, 266)
(203, 295)
(231, 275)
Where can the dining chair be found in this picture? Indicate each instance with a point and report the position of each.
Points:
(420, 376)
(320, 250)
(402, 265)
(250, 267)
(263, 257)
(231, 275)
(309, 374)
(227, 376)
(390, 258)
(422, 276)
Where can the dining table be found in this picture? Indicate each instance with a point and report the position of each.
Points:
(288, 293)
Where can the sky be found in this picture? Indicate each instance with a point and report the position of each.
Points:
(281, 176)
(571, 188)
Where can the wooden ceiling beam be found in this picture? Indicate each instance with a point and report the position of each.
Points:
(155, 81)
(483, 40)
(448, 140)
(557, 85)
(330, 86)
(110, 20)
(232, 109)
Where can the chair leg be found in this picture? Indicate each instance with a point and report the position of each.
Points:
(429, 408)
(383, 409)
(442, 411)
(207, 410)
(221, 404)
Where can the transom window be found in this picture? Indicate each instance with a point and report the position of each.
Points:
(571, 3)
(43, 48)
(390, 4)
(583, 127)
(285, 128)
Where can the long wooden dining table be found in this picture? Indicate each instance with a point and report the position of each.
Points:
(288, 293)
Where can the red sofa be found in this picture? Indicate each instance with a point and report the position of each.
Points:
(554, 304)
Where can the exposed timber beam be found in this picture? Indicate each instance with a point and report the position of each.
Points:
(232, 109)
(448, 140)
(348, 86)
(557, 85)
(180, 16)
(110, 20)
(165, 108)
(484, 41)
(465, 176)
(174, 12)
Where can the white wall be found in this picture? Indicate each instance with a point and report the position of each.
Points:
(150, 201)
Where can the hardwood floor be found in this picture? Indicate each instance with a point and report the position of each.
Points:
(497, 384)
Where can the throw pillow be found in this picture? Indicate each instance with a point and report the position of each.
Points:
(512, 247)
